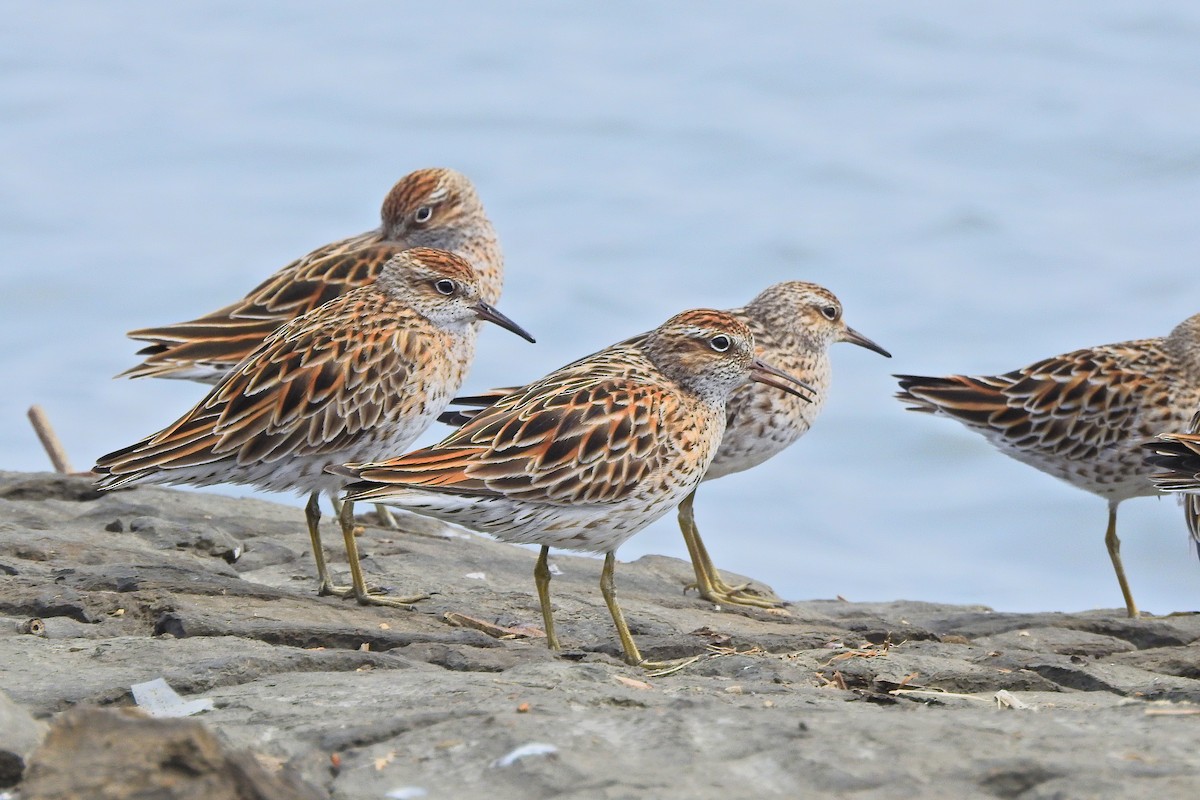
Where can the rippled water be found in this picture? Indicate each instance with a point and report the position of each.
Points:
(981, 184)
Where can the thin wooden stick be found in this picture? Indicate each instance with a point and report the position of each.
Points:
(54, 449)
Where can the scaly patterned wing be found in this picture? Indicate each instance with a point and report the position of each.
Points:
(579, 440)
(307, 390)
(207, 347)
(1072, 406)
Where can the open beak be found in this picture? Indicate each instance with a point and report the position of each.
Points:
(485, 311)
(854, 337)
(763, 372)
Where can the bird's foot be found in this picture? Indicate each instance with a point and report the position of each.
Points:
(376, 597)
(656, 669)
(722, 593)
(372, 596)
(331, 589)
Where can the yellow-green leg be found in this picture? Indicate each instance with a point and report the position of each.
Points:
(325, 585)
(359, 586)
(633, 656)
(1114, 553)
(708, 583)
(541, 577)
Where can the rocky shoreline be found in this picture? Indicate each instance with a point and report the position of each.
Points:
(319, 697)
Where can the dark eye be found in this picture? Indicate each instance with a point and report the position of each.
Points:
(830, 312)
(720, 343)
(445, 286)
(423, 214)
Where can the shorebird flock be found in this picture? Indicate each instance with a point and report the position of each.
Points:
(325, 373)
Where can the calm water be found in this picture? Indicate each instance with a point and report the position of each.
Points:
(981, 184)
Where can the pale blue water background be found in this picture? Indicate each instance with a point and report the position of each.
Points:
(983, 184)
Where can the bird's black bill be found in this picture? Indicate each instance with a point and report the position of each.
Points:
(854, 337)
(485, 311)
(763, 372)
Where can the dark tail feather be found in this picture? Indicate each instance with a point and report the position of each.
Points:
(457, 419)
(474, 404)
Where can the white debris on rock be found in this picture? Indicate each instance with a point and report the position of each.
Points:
(1006, 699)
(525, 751)
(158, 699)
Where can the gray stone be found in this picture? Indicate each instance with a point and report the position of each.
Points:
(202, 539)
(829, 698)
(1183, 662)
(1064, 641)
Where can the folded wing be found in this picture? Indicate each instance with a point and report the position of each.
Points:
(569, 442)
(1072, 406)
(206, 348)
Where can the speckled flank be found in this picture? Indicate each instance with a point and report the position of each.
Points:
(436, 208)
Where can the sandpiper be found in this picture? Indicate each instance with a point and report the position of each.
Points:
(794, 323)
(355, 379)
(590, 454)
(1082, 416)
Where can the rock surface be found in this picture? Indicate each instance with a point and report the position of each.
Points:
(216, 595)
